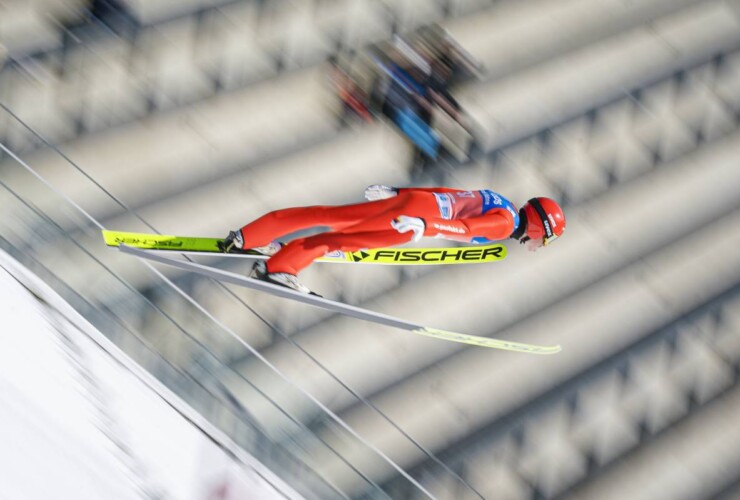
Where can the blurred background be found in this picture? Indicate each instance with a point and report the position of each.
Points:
(193, 117)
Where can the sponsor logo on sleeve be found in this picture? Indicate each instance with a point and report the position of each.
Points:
(446, 227)
(444, 202)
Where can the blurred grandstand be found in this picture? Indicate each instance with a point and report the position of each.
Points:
(195, 116)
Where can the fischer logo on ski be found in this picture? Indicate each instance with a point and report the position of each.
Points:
(359, 256)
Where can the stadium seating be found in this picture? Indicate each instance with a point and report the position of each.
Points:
(210, 113)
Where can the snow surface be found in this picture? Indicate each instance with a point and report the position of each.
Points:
(79, 420)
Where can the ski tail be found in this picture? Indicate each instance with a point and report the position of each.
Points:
(147, 241)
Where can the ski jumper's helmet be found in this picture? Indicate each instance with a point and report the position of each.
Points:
(545, 219)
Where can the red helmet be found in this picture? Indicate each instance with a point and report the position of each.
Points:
(545, 219)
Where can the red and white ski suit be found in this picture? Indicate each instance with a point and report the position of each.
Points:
(448, 213)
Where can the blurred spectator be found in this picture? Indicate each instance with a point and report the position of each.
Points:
(410, 84)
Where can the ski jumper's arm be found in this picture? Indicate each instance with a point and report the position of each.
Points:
(496, 224)
(431, 189)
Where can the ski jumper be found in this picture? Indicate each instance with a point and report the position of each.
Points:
(469, 216)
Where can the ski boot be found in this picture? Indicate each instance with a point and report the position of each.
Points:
(234, 243)
(259, 271)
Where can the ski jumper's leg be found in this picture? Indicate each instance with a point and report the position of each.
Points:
(300, 253)
(272, 225)
(374, 231)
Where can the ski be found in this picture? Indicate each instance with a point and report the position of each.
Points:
(388, 256)
(340, 307)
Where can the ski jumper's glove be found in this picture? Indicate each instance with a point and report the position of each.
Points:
(380, 192)
(404, 224)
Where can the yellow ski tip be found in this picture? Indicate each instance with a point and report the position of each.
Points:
(505, 345)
